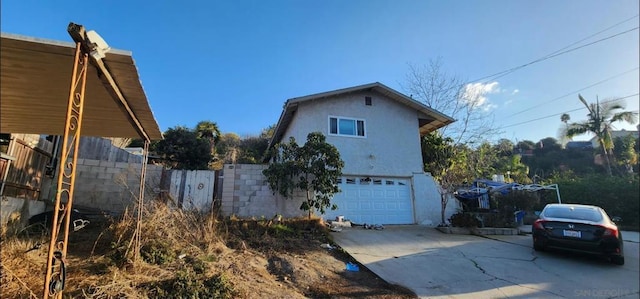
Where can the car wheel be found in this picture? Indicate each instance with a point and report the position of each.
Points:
(618, 260)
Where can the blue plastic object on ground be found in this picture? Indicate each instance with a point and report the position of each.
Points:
(352, 267)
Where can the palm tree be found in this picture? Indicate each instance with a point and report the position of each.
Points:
(565, 119)
(599, 122)
(563, 138)
(209, 130)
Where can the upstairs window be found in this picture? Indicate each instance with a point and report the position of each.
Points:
(346, 126)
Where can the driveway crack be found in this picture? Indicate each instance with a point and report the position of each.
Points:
(477, 265)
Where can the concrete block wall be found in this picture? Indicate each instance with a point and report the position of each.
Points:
(246, 193)
(112, 186)
(24, 207)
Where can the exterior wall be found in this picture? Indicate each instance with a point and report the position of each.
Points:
(25, 208)
(427, 200)
(392, 143)
(112, 186)
(246, 193)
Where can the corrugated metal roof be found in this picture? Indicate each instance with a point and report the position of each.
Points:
(35, 80)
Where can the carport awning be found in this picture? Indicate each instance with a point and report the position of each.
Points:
(35, 81)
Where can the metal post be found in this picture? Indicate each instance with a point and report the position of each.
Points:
(56, 269)
(558, 192)
(145, 157)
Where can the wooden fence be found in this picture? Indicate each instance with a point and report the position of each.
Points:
(26, 172)
(96, 148)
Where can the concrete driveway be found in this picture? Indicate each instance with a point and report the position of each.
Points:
(437, 265)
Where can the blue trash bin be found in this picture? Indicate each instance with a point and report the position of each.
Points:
(519, 215)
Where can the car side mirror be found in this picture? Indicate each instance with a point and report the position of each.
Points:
(616, 219)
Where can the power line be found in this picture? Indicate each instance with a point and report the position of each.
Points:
(558, 52)
(592, 35)
(556, 114)
(573, 92)
(511, 70)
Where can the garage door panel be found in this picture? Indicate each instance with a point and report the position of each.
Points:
(350, 193)
(378, 193)
(381, 201)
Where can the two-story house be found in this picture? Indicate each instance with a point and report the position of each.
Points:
(377, 132)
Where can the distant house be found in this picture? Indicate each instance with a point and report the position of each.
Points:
(377, 131)
(614, 135)
(583, 145)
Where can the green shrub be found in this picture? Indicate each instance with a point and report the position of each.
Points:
(464, 220)
(281, 230)
(498, 220)
(188, 284)
(618, 196)
(157, 252)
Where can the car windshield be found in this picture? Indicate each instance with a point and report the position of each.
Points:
(578, 213)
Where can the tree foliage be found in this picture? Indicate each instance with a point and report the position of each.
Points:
(446, 163)
(182, 149)
(599, 122)
(313, 168)
(248, 150)
(617, 195)
(625, 151)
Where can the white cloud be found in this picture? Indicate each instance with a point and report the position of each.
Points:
(515, 91)
(475, 94)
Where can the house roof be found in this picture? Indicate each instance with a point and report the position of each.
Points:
(429, 121)
(35, 79)
(579, 144)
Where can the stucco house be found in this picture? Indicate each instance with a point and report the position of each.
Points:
(377, 132)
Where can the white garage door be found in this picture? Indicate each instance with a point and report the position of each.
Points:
(373, 201)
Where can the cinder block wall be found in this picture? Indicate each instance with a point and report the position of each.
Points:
(112, 186)
(246, 193)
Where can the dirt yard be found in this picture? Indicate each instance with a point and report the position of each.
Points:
(194, 256)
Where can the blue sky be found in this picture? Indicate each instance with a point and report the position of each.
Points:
(237, 62)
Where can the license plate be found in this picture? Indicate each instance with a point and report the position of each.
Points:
(572, 233)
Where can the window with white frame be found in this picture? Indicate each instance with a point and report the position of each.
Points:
(343, 126)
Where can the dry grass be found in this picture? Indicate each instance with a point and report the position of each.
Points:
(190, 255)
(100, 259)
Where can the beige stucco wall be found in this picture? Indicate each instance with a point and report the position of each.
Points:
(392, 144)
(427, 203)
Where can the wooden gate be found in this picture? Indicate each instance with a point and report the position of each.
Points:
(192, 189)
